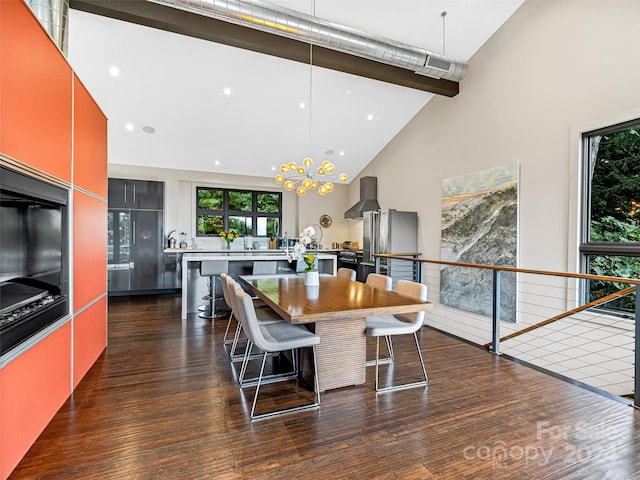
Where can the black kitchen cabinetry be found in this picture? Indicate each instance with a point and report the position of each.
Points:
(135, 237)
(172, 274)
(136, 194)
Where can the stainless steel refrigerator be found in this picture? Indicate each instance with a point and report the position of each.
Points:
(390, 231)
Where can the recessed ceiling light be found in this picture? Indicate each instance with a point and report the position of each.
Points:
(114, 71)
(129, 126)
(273, 169)
(217, 162)
(227, 91)
(370, 117)
(148, 129)
(302, 105)
(341, 153)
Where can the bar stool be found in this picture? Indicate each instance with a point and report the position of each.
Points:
(212, 269)
(264, 268)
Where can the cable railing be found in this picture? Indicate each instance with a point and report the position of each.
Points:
(542, 318)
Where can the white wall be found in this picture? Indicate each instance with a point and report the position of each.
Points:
(552, 65)
(554, 69)
(297, 212)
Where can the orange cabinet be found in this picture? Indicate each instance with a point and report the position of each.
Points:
(32, 389)
(90, 249)
(89, 338)
(89, 142)
(36, 94)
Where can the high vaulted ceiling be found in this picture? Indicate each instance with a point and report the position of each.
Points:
(217, 108)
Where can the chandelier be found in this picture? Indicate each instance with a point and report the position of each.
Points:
(303, 177)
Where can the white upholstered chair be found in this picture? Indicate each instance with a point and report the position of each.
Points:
(404, 324)
(346, 273)
(377, 280)
(264, 315)
(270, 338)
(383, 282)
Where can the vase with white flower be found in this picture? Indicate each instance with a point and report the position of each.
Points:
(300, 254)
(229, 236)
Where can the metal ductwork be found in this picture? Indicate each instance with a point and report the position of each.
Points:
(316, 31)
(54, 17)
(368, 198)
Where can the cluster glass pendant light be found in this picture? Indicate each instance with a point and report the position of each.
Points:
(304, 177)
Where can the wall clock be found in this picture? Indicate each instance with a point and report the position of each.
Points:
(325, 221)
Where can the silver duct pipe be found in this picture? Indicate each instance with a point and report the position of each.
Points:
(54, 17)
(316, 31)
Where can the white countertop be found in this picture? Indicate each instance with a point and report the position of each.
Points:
(222, 250)
(239, 252)
(232, 255)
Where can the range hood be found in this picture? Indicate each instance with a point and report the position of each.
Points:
(368, 198)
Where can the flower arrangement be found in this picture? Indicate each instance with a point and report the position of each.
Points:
(299, 251)
(229, 236)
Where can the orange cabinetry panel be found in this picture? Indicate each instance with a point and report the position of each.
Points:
(89, 249)
(32, 389)
(89, 142)
(89, 338)
(35, 93)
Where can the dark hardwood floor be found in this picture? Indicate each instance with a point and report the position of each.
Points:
(162, 402)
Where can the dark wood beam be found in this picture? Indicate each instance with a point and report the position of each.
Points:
(179, 21)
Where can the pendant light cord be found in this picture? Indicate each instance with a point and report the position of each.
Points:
(443, 14)
(313, 13)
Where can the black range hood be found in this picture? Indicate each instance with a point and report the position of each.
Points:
(368, 198)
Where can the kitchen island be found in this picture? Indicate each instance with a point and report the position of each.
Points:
(240, 263)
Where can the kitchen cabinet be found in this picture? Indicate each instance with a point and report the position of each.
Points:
(135, 237)
(136, 194)
(172, 271)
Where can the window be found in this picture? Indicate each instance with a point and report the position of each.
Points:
(249, 213)
(611, 223)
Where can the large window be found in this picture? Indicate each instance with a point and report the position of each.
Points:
(257, 214)
(611, 228)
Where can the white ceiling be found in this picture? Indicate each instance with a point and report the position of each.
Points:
(175, 84)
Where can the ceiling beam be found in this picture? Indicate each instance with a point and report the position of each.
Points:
(179, 21)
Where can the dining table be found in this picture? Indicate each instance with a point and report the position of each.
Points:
(336, 311)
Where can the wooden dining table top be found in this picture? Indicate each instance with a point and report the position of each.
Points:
(334, 298)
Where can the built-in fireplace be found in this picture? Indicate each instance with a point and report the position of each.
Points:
(33, 257)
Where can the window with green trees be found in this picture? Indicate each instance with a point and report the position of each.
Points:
(247, 212)
(611, 231)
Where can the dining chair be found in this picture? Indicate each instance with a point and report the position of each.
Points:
(346, 273)
(377, 280)
(399, 324)
(271, 338)
(264, 315)
(248, 351)
(227, 300)
(383, 282)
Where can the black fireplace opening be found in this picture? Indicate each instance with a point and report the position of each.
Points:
(33, 256)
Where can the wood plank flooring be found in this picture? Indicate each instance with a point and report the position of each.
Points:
(162, 402)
